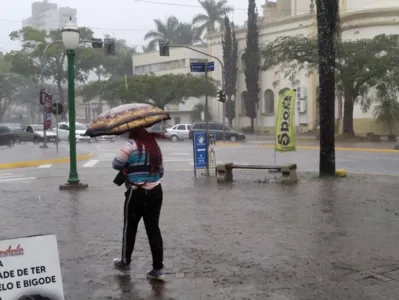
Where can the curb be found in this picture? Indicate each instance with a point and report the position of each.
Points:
(34, 163)
(375, 150)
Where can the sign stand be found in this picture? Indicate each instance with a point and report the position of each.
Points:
(57, 109)
(201, 150)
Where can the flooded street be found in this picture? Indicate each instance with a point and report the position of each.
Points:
(315, 240)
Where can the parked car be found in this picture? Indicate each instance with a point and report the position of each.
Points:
(105, 138)
(35, 134)
(159, 128)
(7, 136)
(230, 134)
(80, 129)
(13, 126)
(178, 132)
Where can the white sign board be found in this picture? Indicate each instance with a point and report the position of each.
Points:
(30, 266)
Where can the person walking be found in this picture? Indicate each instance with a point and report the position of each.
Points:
(141, 161)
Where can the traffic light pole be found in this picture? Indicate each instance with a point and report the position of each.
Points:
(206, 120)
(223, 75)
(42, 84)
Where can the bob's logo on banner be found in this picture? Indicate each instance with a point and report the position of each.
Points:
(12, 251)
(285, 125)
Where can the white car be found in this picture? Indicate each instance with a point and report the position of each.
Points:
(80, 129)
(105, 138)
(178, 132)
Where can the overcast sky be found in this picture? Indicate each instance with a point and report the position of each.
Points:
(126, 19)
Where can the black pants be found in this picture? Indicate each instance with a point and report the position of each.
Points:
(147, 204)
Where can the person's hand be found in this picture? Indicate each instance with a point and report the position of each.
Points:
(124, 171)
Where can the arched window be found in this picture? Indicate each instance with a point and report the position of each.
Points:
(269, 102)
(244, 97)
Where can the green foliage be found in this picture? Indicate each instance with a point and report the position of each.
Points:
(359, 66)
(386, 110)
(198, 110)
(157, 90)
(215, 12)
(31, 61)
(230, 49)
(252, 64)
(11, 84)
(176, 32)
(117, 65)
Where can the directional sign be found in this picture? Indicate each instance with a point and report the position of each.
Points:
(57, 108)
(201, 153)
(200, 67)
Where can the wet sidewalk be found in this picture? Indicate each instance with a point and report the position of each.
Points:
(334, 239)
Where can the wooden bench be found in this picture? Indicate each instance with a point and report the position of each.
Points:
(225, 171)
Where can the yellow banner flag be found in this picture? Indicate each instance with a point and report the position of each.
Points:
(285, 122)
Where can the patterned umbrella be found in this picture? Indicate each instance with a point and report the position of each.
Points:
(123, 118)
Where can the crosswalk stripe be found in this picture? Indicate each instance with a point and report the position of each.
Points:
(17, 179)
(44, 166)
(8, 175)
(90, 163)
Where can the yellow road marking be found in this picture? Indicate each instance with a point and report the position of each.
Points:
(34, 163)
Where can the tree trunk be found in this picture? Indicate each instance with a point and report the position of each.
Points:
(348, 115)
(252, 125)
(326, 23)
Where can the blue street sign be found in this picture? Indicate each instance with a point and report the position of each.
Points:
(200, 150)
(200, 66)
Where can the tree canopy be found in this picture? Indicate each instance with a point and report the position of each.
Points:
(213, 17)
(360, 66)
(230, 49)
(32, 61)
(252, 64)
(11, 84)
(176, 32)
(157, 90)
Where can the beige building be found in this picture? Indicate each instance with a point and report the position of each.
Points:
(178, 62)
(359, 18)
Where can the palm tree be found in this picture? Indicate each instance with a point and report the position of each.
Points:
(197, 112)
(172, 30)
(213, 16)
(386, 111)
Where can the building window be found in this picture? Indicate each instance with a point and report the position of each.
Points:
(269, 102)
(244, 97)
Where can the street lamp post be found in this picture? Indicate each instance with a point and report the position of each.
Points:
(70, 38)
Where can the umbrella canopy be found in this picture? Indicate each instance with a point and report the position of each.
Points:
(123, 118)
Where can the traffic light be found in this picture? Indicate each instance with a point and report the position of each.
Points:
(109, 46)
(222, 96)
(42, 96)
(164, 48)
(96, 43)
